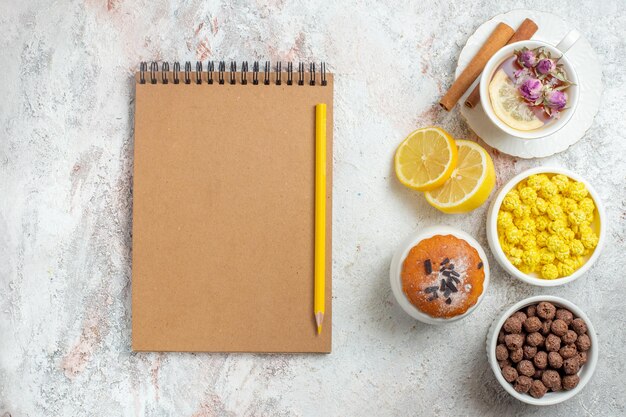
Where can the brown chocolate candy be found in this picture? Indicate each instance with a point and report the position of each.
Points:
(505, 363)
(520, 315)
(531, 310)
(501, 335)
(558, 327)
(525, 367)
(570, 381)
(568, 351)
(509, 373)
(502, 353)
(579, 326)
(512, 325)
(565, 315)
(535, 339)
(583, 343)
(541, 360)
(546, 310)
(569, 337)
(551, 379)
(532, 324)
(553, 343)
(516, 355)
(537, 389)
(571, 365)
(582, 358)
(545, 327)
(529, 351)
(514, 341)
(555, 360)
(522, 383)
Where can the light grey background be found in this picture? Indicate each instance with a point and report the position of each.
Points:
(66, 141)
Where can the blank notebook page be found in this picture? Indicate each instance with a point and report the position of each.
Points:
(223, 217)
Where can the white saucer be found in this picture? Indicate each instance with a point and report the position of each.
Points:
(551, 29)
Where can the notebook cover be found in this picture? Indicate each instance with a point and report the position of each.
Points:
(223, 217)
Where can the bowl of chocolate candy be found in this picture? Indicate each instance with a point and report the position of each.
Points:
(543, 350)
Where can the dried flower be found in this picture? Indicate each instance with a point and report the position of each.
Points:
(555, 99)
(545, 66)
(526, 58)
(530, 89)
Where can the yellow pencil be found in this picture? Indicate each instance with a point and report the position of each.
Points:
(320, 215)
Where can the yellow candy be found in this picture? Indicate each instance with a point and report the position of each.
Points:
(528, 195)
(576, 247)
(569, 205)
(528, 242)
(561, 181)
(505, 219)
(566, 267)
(577, 191)
(547, 190)
(556, 199)
(530, 258)
(589, 239)
(540, 206)
(554, 211)
(521, 211)
(536, 181)
(556, 226)
(545, 256)
(511, 201)
(542, 239)
(544, 225)
(541, 223)
(513, 235)
(563, 254)
(566, 234)
(555, 244)
(576, 217)
(587, 205)
(527, 225)
(549, 271)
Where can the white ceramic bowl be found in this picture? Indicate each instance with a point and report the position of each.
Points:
(401, 254)
(549, 128)
(550, 398)
(598, 225)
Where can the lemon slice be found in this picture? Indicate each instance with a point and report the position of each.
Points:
(426, 158)
(469, 185)
(509, 106)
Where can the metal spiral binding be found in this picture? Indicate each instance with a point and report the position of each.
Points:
(255, 73)
(187, 72)
(165, 70)
(198, 72)
(176, 72)
(154, 67)
(244, 72)
(232, 74)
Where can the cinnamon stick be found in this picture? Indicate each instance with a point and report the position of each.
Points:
(498, 38)
(524, 32)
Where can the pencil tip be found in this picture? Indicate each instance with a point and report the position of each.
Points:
(319, 317)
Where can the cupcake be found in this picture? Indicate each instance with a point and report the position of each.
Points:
(441, 275)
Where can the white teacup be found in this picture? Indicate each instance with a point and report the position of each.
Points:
(572, 91)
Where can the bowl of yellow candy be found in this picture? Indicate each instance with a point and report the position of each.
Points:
(546, 226)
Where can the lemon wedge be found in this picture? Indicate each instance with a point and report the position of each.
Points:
(509, 106)
(425, 159)
(469, 185)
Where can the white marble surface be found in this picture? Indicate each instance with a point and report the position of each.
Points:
(66, 140)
